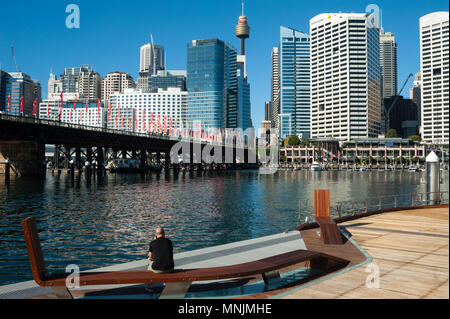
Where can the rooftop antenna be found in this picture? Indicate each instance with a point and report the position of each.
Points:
(14, 57)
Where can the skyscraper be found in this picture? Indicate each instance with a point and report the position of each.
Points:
(274, 87)
(414, 94)
(152, 59)
(388, 62)
(18, 88)
(434, 69)
(294, 74)
(345, 76)
(212, 83)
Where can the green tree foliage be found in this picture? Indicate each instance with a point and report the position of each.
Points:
(391, 133)
(415, 138)
(292, 140)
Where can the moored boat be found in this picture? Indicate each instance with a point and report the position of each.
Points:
(316, 166)
(124, 165)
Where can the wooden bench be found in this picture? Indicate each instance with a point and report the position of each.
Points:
(176, 283)
(329, 232)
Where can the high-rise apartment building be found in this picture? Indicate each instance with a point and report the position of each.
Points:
(82, 80)
(212, 83)
(69, 78)
(90, 85)
(345, 76)
(388, 63)
(274, 87)
(434, 70)
(116, 82)
(294, 75)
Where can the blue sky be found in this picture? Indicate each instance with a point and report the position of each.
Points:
(111, 33)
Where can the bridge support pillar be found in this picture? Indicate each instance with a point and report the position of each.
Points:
(158, 158)
(167, 161)
(67, 156)
(88, 162)
(100, 160)
(133, 154)
(143, 158)
(25, 157)
(78, 159)
(124, 154)
(56, 158)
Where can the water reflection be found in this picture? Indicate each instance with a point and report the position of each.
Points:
(110, 219)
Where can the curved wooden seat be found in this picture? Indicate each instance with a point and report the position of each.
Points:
(267, 267)
(329, 232)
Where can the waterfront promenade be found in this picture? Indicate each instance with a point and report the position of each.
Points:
(409, 247)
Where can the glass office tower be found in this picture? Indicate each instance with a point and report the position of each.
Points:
(212, 84)
(18, 85)
(294, 77)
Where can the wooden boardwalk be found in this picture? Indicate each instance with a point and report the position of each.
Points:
(410, 249)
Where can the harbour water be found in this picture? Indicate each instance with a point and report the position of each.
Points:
(111, 220)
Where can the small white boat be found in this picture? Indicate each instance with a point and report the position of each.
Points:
(316, 166)
(123, 165)
(362, 168)
(413, 168)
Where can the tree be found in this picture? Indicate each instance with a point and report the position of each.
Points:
(305, 141)
(291, 140)
(391, 133)
(416, 138)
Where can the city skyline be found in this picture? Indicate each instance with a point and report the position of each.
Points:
(125, 43)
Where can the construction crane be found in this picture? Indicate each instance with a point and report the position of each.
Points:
(14, 57)
(154, 56)
(388, 112)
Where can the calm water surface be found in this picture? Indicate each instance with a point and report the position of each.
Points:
(111, 221)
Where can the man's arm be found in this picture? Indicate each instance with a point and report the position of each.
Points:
(150, 258)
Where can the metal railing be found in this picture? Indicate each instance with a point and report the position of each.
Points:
(352, 207)
(55, 123)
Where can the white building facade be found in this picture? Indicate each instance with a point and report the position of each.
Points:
(73, 109)
(345, 76)
(434, 70)
(140, 112)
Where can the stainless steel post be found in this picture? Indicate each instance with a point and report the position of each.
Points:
(433, 178)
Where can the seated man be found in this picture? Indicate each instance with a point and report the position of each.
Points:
(160, 255)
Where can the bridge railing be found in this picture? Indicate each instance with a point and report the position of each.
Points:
(34, 120)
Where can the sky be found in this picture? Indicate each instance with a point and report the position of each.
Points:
(112, 32)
